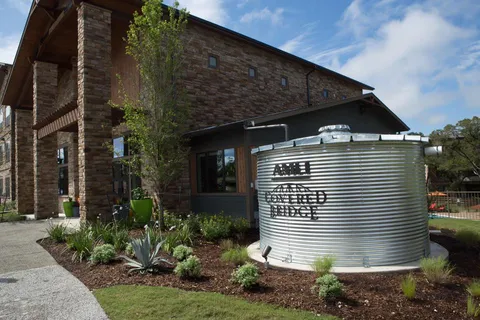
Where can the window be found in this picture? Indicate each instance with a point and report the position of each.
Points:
(1, 117)
(120, 147)
(216, 171)
(344, 97)
(124, 180)
(284, 82)
(252, 72)
(7, 187)
(7, 152)
(212, 61)
(325, 93)
(1, 154)
(62, 160)
(7, 116)
(1, 186)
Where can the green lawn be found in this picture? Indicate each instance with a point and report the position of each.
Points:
(454, 224)
(142, 302)
(11, 217)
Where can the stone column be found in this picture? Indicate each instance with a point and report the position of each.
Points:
(23, 161)
(94, 123)
(45, 167)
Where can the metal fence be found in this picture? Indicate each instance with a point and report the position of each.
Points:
(454, 204)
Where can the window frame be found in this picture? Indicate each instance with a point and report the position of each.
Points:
(216, 61)
(286, 82)
(325, 93)
(63, 166)
(9, 116)
(8, 151)
(119, 160)
(197, 172)
(255, 72)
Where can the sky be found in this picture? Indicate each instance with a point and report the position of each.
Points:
(422, 56)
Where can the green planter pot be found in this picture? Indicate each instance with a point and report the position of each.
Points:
(68, 209)
(142, 209)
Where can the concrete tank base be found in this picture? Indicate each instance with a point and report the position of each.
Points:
(436, 250)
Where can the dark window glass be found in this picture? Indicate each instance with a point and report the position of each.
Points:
(252, 72)
(284, 82)
(216, 171)
(325, 93)
(63, 180)
(120, 147)
(212, 62)
(1, 187)
(7, 116)
(344, 97)
(121, 183)
(7, 152)
(7, 187)
(2, 147)
(1, 117)
(62, 155)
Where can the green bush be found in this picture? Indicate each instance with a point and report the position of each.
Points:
(323, 265)
(237, 256)
(240, 226)
(170, 242)
(474, 288)
(468, 237)
(58, 232)
(129, 250)
(226, 244)
(186, 235)
(409, 286)
(193, 222)
(189, 268)
(436, 270)
(120, 239)
(82, 242)
(215, 227)
(247, 275)
(172, 221)
(146, 255)
(328, 287)
(103, 254)
(182, 252)
(155, 235)
(473, 309)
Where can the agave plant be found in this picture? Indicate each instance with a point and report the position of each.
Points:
(147, 259)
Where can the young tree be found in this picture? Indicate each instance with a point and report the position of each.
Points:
(157, 118)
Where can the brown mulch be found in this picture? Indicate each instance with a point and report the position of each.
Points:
(367, 296)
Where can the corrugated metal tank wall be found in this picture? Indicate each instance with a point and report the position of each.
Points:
(363, 202)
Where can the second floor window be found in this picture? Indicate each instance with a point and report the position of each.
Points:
(7, 152)
(252, 72)
(325, 93)
(284, 82)
(7, 116)
(212, 61)
(1, 118)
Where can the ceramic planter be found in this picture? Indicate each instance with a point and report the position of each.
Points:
(142, 209)
(68, 209)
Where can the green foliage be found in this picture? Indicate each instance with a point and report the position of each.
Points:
(473, 309)
(11, 217)
(129, 250)
(120, 239)
(172, 221)
(82, 241)
(139, 193)
(328, 286)
(189, 268)
(182, 252)
(237, 256)
(103, 254)
(146, 254)
(226, 244)
(247, 275)
(461, 156)
(409, 286)
(170, 242)
(155, 235)
(58, 232)
(474, 288)
(436, 270)
(216, 227)
(186, 235)
(240, 226)
(468, 237)
(157, 118)
(323, 265)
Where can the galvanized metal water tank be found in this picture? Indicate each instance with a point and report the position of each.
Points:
(359, 197)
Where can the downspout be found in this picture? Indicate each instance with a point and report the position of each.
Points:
(308, 86)
(269, 126)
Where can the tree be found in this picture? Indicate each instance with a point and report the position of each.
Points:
(461, 156)
(157, 118)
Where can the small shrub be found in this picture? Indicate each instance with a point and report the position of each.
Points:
(185, 235)
(215, 227)
(120, 239)
(170, 242)
(473, 309)
(436, 270)
(182, 252)
(155, 235)
(237, 256)
(323, 265)
(409, 286)
(103, 254)
(247, 275)
(58, 232)
(226, 244)
(193, 222)
(129, 250)
(82, 242)
(189, 268)
(474, 288)
(146, 254)
(240, 226)
(470, 238)
(328, 287)
(172, 221)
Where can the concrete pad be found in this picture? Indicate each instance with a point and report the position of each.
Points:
(436, 250)
(46, 293)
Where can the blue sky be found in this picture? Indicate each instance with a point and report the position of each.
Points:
(423, 57)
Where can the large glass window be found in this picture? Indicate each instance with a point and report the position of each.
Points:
(124, 180)
(7, 152)
(7, 116)
(2, 147)
(1, 117)
(216, 171)
(1, 187)
(62, 160)
(7, 187)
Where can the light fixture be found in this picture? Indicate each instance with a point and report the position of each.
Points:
(265, 253)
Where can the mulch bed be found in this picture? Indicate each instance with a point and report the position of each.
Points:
(367, 296)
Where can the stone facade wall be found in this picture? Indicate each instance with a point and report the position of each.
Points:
(24, 161)
(7, 158)
(94, 124)
(67, 86)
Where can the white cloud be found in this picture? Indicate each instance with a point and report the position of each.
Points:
(8, 47)
(293, 44)
(242, 3)
(437, 119)
(275, 16)
(211, 10)
(21, 5)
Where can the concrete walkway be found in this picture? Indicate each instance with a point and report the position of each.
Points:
(33, 285)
